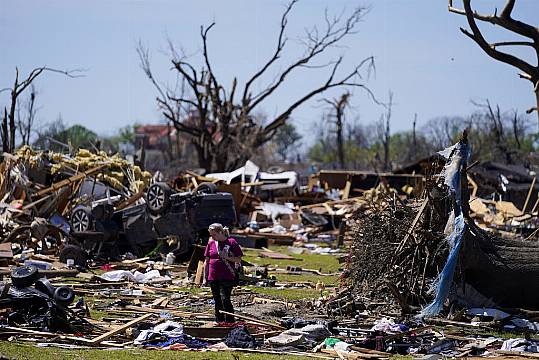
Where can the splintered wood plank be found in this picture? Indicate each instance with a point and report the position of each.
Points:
(122, 328)
(346, 191)
(200, 273)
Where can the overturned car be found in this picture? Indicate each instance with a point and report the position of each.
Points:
(167, 221)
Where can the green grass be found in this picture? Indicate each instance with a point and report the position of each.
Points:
(193, 290)
(328, 280)
(287, 294)
(324, 263)
(98, 314)
(25, 351)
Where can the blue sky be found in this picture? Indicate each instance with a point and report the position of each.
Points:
(420, 54)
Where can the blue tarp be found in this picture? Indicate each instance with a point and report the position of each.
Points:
(458, 155)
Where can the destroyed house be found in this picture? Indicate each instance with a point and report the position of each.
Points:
(504, 182)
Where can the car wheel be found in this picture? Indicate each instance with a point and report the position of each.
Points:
(158, 198)
(81, 219)
(206, 188)
(24, 276)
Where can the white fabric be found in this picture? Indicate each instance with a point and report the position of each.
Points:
(138, 277)
(170, 329)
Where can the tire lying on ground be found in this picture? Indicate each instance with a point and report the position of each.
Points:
(24, 276)
(74, 252)
(64, 295)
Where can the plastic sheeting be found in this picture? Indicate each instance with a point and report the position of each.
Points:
(138, 277)
(458, 155)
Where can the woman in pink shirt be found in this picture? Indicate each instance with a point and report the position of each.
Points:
(222, 254)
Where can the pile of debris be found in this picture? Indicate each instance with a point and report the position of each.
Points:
(35, 303)
(92, 204)
(413, 241)
(412, 253)
(397, 251)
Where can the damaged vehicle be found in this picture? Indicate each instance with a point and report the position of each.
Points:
(33, 301)
(167, 221)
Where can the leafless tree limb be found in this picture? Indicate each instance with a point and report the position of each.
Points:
(281, 42)
(346, 81)
(25, 121)
(338, 107)
(316, 44)
(512, 43)
(8, 120)
(504, 20)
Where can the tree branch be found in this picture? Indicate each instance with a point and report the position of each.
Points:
(507, 9)
(182, 100)
(281, 119)
(281, 42)
(512, 43)
(487, 48)
(204, 35)
(504, 20)
(317, 44)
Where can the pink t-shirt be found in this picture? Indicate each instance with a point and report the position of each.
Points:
(217, 268)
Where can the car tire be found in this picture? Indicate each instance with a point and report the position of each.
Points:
(206, 188)
(158, 198)
(81, 219)
(24, 276)
(64, 295)
(74, 252)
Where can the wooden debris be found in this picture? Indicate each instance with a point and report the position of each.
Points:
(71, 180)
(253, 320)
(122, 328)
(59, 336)
(200, 273)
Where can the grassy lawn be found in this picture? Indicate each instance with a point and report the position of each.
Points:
(21, 351)
(323, 263)
(332, 280)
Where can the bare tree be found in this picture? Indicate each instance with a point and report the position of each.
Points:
(286, 140)
(384, 132)
(442, 131)
(26, 114)
(520, 129)
(223, 127)
(497, 130)
(520, 28)
(8, 120)
(414, 136)
(338, 106)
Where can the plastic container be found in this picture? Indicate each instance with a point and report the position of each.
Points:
(169, 260)
(41, 265)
